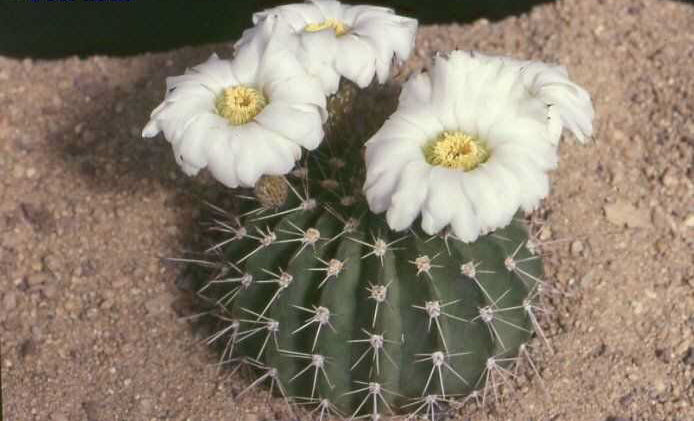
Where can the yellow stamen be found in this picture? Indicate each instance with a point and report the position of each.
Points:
(240, 104)
(339, 27)
(456, 150)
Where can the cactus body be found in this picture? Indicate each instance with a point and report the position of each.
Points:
(333, 307)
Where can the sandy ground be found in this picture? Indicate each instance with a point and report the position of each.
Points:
(90, 315)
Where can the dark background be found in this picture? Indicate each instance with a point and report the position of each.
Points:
(57, 28)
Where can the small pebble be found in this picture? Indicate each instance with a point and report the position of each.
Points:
(9, 301)
(52, 263)
(637, 306)
(689, 358)
(37, 279)
(27, 348)
(659, 386)
(49, 291)
(662, 245)
(576, 247)
(91, 410)
(545, 233)
(663, 355)
(623, 213)
(683, 347)
(669, 179)
(107, 304)
(159, 304)
(146, 405)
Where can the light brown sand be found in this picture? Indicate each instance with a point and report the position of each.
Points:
(89, 312)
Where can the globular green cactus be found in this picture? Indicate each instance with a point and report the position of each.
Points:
(331, 307)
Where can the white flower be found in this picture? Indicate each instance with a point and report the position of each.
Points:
(242, 118)
(471, 143)
(334, 39)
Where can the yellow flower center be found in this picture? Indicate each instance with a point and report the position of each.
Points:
(457, 150)
(240, 104)
(339, 27)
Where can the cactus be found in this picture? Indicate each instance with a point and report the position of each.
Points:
(332, 307)
(326, 300)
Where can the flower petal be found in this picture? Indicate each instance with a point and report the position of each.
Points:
(552, 85)
(151, 129)
(215, 69)
(194, 142)
(297, 122)
(174, 117)
(534, 184)
(414, 125)
(222, 152)
(356, 60)
(279, 61)
(299, 90)
(503, 201)
(382, 156)
(479, 189)
(445, 91)
(329, 8)
(526, 138)
(383, 172)
(353, 14)
(298, 15)
(406, 202)
(465, 224)
(395, 34)
(250, 50)
(441, 203)
(317, 53)
(260, 153)
(415, 91)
